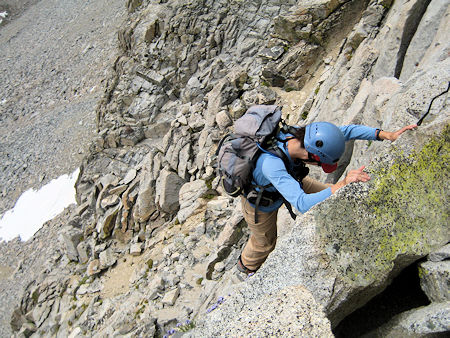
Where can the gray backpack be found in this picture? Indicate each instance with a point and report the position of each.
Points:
(238, 152)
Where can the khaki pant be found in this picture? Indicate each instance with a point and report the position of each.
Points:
(263, 235)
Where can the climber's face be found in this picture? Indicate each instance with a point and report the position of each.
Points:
(296, 151)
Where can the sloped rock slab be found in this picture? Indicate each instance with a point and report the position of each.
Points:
(291, 312)
(420, 322)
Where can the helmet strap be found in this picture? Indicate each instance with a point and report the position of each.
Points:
(313, 158)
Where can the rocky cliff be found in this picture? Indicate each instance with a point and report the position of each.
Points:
(153, 241)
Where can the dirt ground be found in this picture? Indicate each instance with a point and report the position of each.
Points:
(49, 91)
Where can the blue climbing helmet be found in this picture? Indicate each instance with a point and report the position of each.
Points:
(327, 142)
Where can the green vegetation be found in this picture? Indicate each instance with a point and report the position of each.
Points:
(186, 327)
(83, 280)
(63, 289)
(386, 3)
(209, 196)
(35, 295)
(149, 263)
(422, 272)
(139, 311)
(265, 83)
(209, 182)
(349, 54)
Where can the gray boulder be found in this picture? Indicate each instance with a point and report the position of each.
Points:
(394, 39)
(106, 225)
(421, 322)
(224, 93)
(223, 120)
(171, 296)
(190, 198)
(71, 237)
(427, 31)
(440, 254)
(83, 252)
(145, 203)
(107, 258)
(168, 186)
(435, 280)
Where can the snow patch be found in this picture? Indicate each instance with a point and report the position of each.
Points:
(3, 15)
(34, 208)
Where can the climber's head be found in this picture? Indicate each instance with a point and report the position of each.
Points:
(325, 144)
(320, 143)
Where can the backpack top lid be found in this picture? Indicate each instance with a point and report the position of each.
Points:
(325, 140)
(258, 122)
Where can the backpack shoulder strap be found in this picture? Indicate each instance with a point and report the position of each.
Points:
(280, 154)
(224, 139)
(276, 151)
(297, 174)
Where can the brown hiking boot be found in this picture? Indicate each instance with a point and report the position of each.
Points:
(242, 268)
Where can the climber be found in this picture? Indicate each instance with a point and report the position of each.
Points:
(319, 143)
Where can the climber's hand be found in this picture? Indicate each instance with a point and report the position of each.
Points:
(357, 175)
(393, 135)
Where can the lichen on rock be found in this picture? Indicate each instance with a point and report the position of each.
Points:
(413, 194)
(399, 217)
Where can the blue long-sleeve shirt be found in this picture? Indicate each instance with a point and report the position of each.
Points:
(270, 169)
